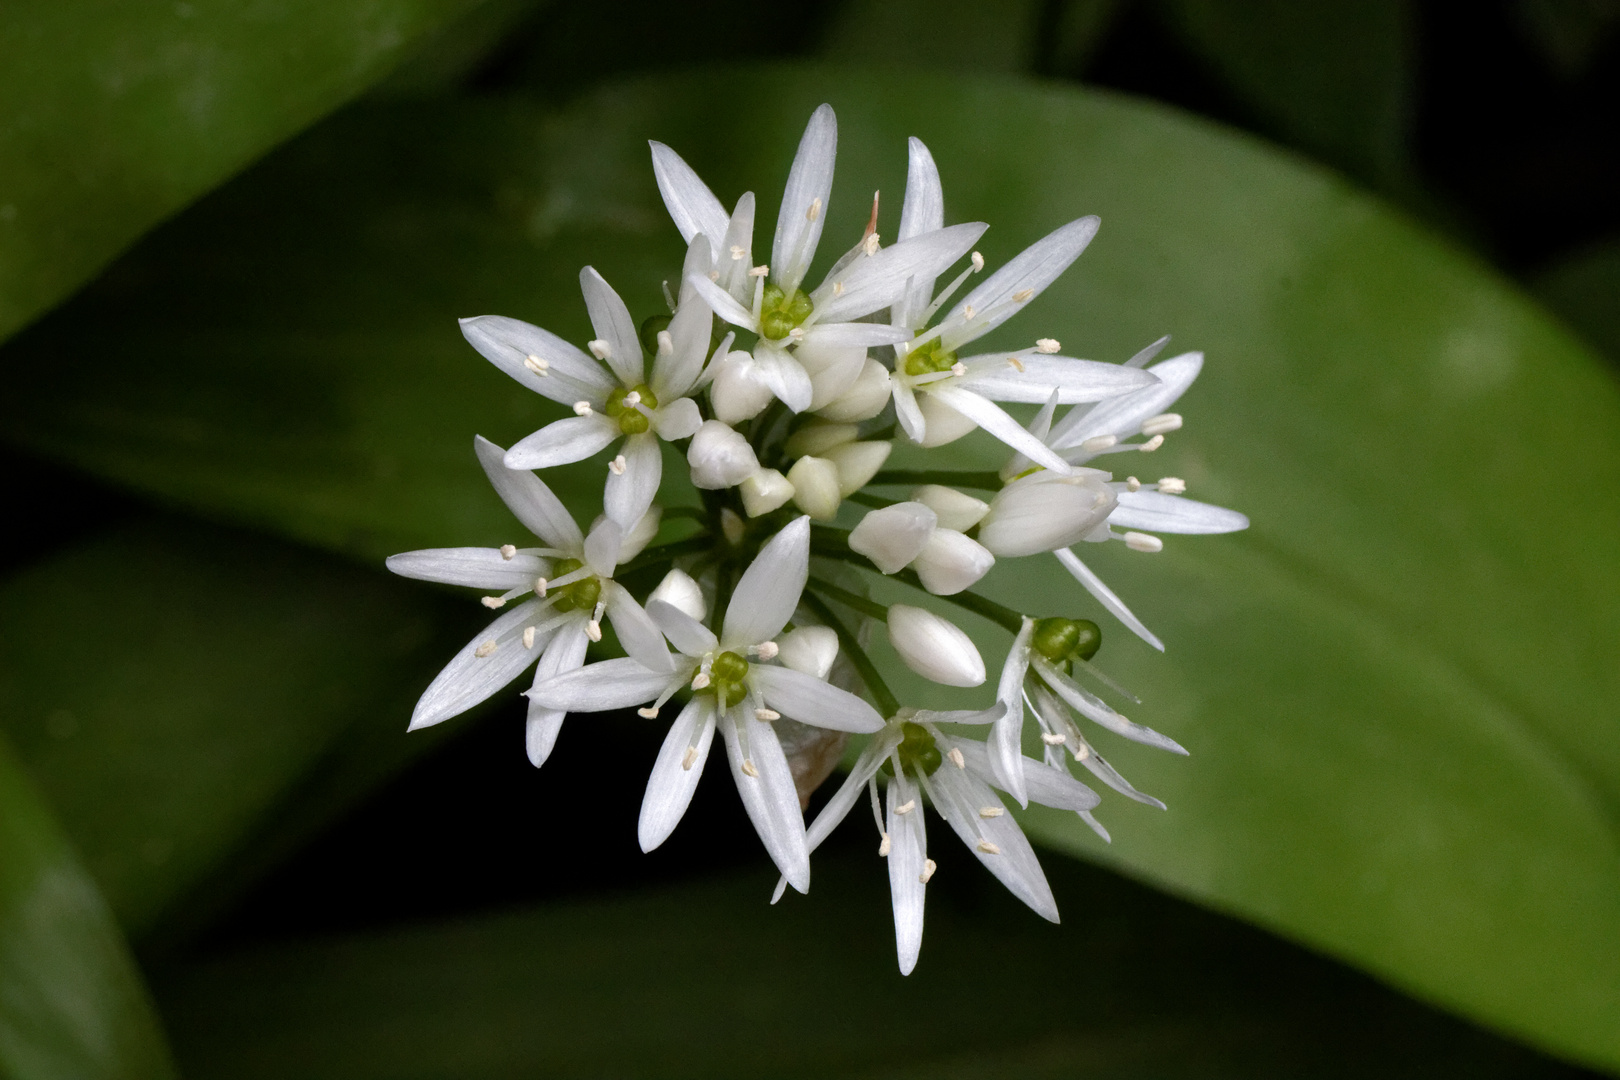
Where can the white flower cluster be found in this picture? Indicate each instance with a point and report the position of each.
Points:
(757, 623)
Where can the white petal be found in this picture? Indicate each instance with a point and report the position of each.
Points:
(844, 334)
(873, 282)
(613, 324)
(857, 463)
(934, 647)
(909, 415)
(674, 778)
(739, 236)
(720, 457)
(629, 493)
(680, 419)
(529, 499)
(809, 700)
(1047, 786)
(785, 376)
(639, 535)
(479, 568)
(960, 794)
(1094, 585)
(816, 490)
(892, 536)
(955, 509)
(863, 400)
(602, 546)
(769, 589)
(951, 562)
(943, 424)
(908, 858)
(608, 684)
(810, 649)
(960, 716)
(924, 208)
(769, 796)
(992, 419)
(1074, 381)
(805, 200)
(854, 785)
(722, 302)
(682, 592)
(1044, 512)
(469, 678)
(691, 204)
(1123, 416)
(1036, 267)
(689, 331)
(571, 375)
(1154, 511)
(636, 631)
(1096, 710)
(1007, 737)
(560, 442)
(564, 652)
(684, 632)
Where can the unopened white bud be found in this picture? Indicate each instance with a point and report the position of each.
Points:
(1161, 424)
(857, 463)
(955, 509)
(737, 392)
(865, 398)
(817, 438)
(943, 424)
(680, 591)
(1045, 512)
(1140, 541)
(764, 491)
(893, 536)
(732, 527)
(833, 369)
(809, 649)
(720, 457)
(934, 647)
(951, 562)
(815, 487)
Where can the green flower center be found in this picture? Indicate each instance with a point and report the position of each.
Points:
(917, 750)
(781, 314)
(582, 595)
(632, 421)
(1061, 640)
(928, 358)
(726, 675)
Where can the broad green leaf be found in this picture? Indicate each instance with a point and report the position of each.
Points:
(215, 679)
(1396, 687)
(72, 1005)
(707, 980)
(117, 115)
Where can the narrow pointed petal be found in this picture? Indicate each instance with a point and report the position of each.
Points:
(738, 249)
(602, 545)
(769, 796)
(1105, 596)
(1075, 381)
(560, 442)
(1047, 786)
(1097, 710)
(908, 861)
(613, 324)
(924, 208)
(609, 684)
(571, 375)
(722, 302)
(529, 499)
(805, 200)
(1032, 270)
(769, 590)
(635, 629)
(845, 335)
(1109, 775)
(689, 330)
(873, 282)
(628, 495)
(691, 204)
(684, 632)
(909, 415)
(785, 376)
(564, 652)
(479, 568)
(961, 796)
(675, 775)
(809, 700)
(1007, 737)
(1154, 511)
(960, 716)
(992, 419)
(1122, 416)
(470, 678)
(854, 786)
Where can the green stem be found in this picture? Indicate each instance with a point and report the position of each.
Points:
(696, 513)
(885, 700)
(722, 596)
(852, 600)
(664, 553)
(833, 543)
(866, 498)
(984, 481)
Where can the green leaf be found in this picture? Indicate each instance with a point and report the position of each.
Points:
(1585, 290)
(215, 680)
(116, 116)
(72, 1005)
(1396, 686)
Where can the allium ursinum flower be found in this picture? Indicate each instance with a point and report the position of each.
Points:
(1139, 509)
(920, 760)
(811, 346)
(737, 687)
(613, 395)
(932, 541)
(939, 397)
(568, 582)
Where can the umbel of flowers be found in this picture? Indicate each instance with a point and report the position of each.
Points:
(785, 398)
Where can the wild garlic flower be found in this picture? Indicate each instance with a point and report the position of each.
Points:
(568, 585)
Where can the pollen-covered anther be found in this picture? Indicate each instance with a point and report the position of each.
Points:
(1099, 443)
(814, 211)
(714, 275)
(593, 630)
(884, 846)
(968, 312)
(536, 364)
(906, 807)
(528, 637)
(957, 759)
(1172, 485)
(1022, 295)
(767, 715)
(762, 270)
(929, 866)
(737, 252)
(649, 712)
(838, 288)
(991, 811)
(618, 465)
(582, 408)
(797, 333)
(977, 260)
(1015, 363)
(1161, 424)
(700, 681)
(666, 347)
(988, 848)
(1082, 752)
(1140, 541)
(870, 244)
(1054, 739)
(540, 587)
(689, 758)
(599, 348)
(1047, 345)
(486, 648)
(492, 602)
(748, 767)
(1132, 484)
(1152, 444)
(633, 398)
(508, 551)
(959, 369)
(765, 650)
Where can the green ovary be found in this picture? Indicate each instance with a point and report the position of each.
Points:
(928, 358)
(1062, 640)
(632, 421)
(726, 677)
(918, 751)
(781, 314)
(582, 595)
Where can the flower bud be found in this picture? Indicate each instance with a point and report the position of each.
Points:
(833, 369)
(738, 393)
(944, 424)
(681, 592)
(720, 458)
(815, 487)
(955, 509)
(810, 649)
(951, 562)
(1045, 512)
(934, 647)
(893, 536)
(857, 463)
(765, 491)
(816, 439)
(865, 399)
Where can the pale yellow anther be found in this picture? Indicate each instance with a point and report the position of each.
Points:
(959, 369)
(1047, 345)
(906, 807)
(1132, 484)
(540, 587)
(884, 847)
(978, 261)
(582, 408)
(838, 288)
(633, 398)
(1082, 752)
(508, 550)
(1015, 363)
(767, 715)
(1161, 424)
(766, 650)
(1140, 541)
(1022, 295)
(528, 637)
(1098, 443)
(759, 271)
(968, 312)
(1172, 485)
(870, 244)
(814, 211)
(737, 252)
(536, 364)
(991, 811)
(492, 602)
(599, 348)
(1053, 739)
(618, 465)
(593, 630)
(650, 712)
(988, 848)
(929, 866)
(714, 275)
(486, 648)
(666, 347)
(1152, 444)
(700, 681)
(688, 758)
(748, 767)
(957, 759)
